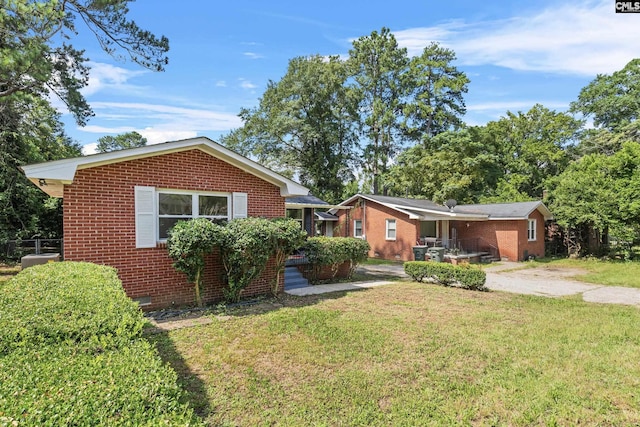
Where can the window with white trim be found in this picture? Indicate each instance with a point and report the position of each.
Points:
(531, 230)
(357, 228)
(295, 214)
(390, 229)
(156, 211)
(180, 206)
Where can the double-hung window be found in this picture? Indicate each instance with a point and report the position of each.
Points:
(357, 228)
(531, 230)
(179, 206)
(391, 229)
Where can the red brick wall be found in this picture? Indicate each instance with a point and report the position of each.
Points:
(373, 216)
(99, 221)
(510, 237)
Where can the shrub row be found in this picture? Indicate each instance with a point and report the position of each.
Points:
(464, 276)
(334, 251)
(245, 245)
(72, 353)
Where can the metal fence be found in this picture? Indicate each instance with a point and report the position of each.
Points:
(13, 250)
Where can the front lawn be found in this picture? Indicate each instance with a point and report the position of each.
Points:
(7, 271)
(609, 273)
(413, 354)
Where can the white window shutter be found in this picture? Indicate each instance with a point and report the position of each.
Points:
(145, 217)
(240, 205)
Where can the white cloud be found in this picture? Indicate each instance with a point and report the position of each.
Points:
(157, 136)
(108, 129)
(221, 83)
(168, 116)
(253, 55)
(246, 84)
(153, 135)
(157, 123)
(109, 77)
(580, 38)
(91, 148)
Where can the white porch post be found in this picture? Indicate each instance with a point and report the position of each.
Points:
(445, 232)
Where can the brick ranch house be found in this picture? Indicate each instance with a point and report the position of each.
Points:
(118, 207)
(394, 225)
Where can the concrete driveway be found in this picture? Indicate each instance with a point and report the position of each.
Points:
(547, 282)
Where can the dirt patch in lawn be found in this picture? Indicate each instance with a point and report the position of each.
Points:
(549, 272)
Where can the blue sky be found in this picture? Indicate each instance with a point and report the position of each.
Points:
(516, 53)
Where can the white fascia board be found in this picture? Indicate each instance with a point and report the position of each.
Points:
(411, 215)
(447, 215)
(505, 218)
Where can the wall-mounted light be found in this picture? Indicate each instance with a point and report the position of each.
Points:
(42, 182)
(467, 225)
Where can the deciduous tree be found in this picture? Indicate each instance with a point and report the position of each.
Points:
(601, 192)
(451, 165)
(612, 100)
(532, 147)
(303, 126)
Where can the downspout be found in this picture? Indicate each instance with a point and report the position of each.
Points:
(364, 219)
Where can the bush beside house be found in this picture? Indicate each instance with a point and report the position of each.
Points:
(72, 353)
(464, 276)
(331, 257)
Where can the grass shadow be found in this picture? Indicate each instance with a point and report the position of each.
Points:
(195, 390)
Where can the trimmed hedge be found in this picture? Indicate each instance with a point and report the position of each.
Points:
(464, 276)
(72, 353)
(334, 251)
(59, 386)
(67, 302)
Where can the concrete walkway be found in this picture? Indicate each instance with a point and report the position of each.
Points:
(335, 287)
(506, 277)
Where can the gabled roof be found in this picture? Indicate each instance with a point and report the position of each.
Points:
(427, 210)
(325, 216)
(307, 201)
(52, 176)
(504, 211)
(310, 201)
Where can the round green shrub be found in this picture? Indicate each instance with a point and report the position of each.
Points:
(74, 302)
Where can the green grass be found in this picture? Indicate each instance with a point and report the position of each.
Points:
(412, 354)
(7, 271)
(608, 273)
(378, 261)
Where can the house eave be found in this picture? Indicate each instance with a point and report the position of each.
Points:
(63, 171)
(315, 206)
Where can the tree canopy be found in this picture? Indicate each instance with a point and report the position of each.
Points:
(303, 126)
(120, 142)
(38, 60)
(37, 56)
(328, 117)
(612, 100)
